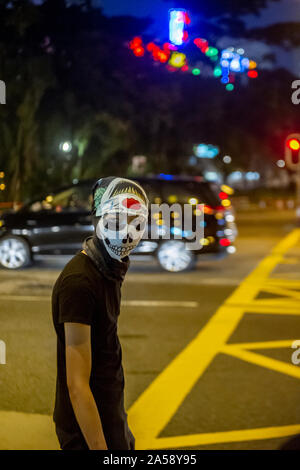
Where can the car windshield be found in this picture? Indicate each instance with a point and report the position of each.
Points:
(69, 200)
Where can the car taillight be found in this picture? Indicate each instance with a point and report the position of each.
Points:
(211, 210)
(208, 209)
(225, 242)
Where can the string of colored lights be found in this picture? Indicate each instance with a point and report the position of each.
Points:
(227, 62)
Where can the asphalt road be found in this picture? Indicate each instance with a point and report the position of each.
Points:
(192, 379)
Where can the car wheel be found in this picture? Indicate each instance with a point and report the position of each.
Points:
(173, 256)
(14, 252)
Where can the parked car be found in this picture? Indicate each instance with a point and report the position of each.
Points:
(58, 223)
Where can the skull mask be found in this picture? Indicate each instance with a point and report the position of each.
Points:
(123, 213)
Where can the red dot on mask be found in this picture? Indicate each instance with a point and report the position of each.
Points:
(130, 201)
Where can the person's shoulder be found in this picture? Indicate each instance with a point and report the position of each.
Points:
(80, 274)
(74, 273)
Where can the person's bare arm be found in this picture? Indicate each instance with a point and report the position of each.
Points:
(78, 365)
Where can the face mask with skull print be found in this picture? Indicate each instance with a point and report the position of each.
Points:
(122, 221)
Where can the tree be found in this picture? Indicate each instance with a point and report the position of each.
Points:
(71, 76)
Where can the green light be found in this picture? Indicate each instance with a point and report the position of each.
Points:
(196, 71)
(218, 71)
(211, 51)
(229, 87)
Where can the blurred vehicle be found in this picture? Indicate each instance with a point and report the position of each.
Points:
(58, 223)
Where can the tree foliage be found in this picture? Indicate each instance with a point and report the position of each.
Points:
(71, 77)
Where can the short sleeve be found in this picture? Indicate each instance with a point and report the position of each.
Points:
(76, 301)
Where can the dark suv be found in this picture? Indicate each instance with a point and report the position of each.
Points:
(59, 222)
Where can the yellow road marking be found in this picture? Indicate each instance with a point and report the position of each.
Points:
(284, 292)
(263, 361)
(156, 406)
(272, 308)
(293, 260)
(242, 435)
(282, 343)
(292, 284)
(159, 402)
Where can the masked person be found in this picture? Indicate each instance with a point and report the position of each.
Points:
(89, 406)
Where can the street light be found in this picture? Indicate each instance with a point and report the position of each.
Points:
(227, 159)
(65, 146)
(280, 163)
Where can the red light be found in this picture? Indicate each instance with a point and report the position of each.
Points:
(185, 35)
(162, 56)
(224, 242)
(185, 68)
(170, 68)
(136, 42)
(151, 46)
(293, 144)
(187, 19)
(202, 44)
(139, 51)
(223, 195)
(208, 209)
(156, 55)
(252, 74)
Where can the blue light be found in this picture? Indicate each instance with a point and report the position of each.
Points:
(176, 26)
(245, 63)
(176, 231)
(206, 151)
(234, 61)
(226, 54)
(166, 177)
(179, 231)
(225, 63)
(221, 222)
(225, 79)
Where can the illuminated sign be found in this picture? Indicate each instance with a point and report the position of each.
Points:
(178, 20)
(206, 151)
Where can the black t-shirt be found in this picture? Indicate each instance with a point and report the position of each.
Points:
(82, 294)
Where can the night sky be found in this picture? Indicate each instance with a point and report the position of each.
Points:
(285, 10)
(157, 10)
